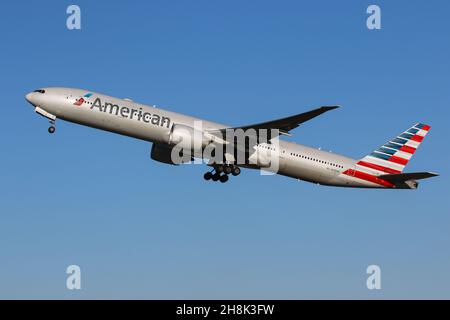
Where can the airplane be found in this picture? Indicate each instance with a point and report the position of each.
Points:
(382, 168)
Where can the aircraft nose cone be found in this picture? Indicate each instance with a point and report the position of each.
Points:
(29, 97)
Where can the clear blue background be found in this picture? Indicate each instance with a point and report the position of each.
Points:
(141, 229)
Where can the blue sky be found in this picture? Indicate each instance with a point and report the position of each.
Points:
(140, 229)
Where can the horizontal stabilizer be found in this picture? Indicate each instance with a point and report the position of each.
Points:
(402, 177)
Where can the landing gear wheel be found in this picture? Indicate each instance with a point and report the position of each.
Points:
(215, 177)
(51, 129)
(227, 169)
(219, 168)
(236, 171)
(223, 178)
(207, 176)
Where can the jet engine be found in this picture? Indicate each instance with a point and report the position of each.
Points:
(188, 138)
(163, 153)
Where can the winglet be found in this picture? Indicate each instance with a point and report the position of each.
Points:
(328, 108)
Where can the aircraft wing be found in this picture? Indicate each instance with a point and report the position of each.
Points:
(280, 126)
(284, 125)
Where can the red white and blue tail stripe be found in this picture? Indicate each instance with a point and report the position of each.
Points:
(393, 156)
(390, 158)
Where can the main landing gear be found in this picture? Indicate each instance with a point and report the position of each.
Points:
(52, 127)
(221, 172)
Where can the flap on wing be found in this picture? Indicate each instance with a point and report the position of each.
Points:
(401, 177)
(284, 125)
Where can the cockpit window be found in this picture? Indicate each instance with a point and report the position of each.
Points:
(40, 91)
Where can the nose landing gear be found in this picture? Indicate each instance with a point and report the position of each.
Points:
(221, 172)
(52, 127)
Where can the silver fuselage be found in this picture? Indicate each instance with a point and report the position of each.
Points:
(154, 125)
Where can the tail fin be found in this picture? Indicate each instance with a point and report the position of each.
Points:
(392, 157)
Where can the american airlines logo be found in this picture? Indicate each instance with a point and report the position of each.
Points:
(130, 113)
(80, 101)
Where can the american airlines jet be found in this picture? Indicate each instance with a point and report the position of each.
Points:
(383, 168)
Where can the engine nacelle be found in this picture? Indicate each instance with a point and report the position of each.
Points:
(265, 158)
(163, 153)
(188, 138)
